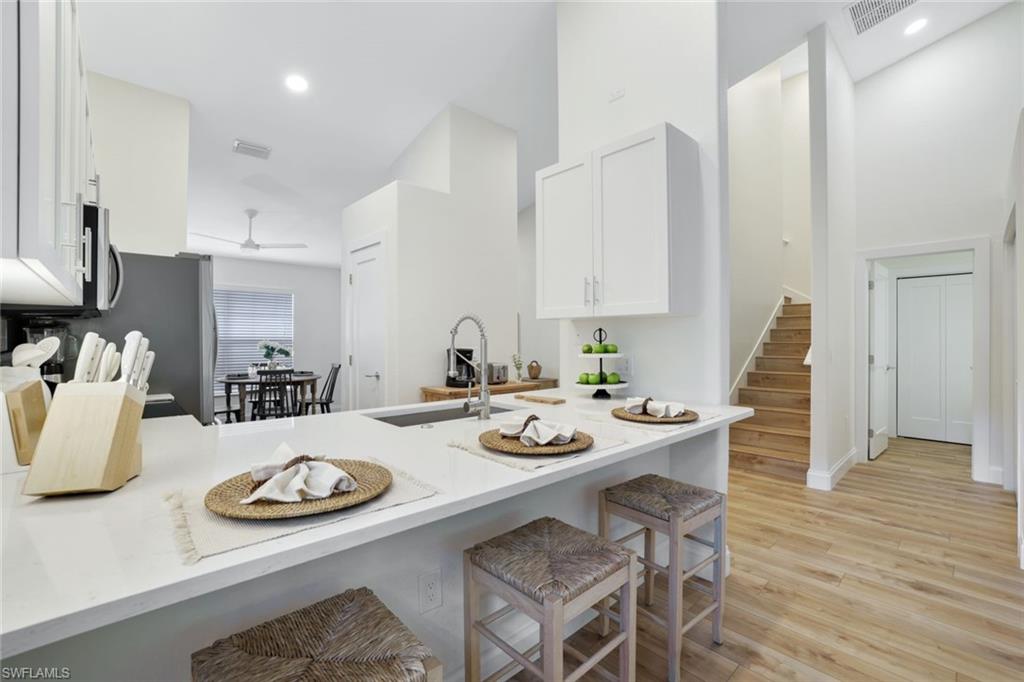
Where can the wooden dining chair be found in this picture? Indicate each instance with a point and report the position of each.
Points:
(326, 398)
(275, 394)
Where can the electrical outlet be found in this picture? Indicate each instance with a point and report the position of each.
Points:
(627, 367)
(431, 591)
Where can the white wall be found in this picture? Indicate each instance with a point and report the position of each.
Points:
(538, 339)
(796, 184)
(833, 228)
(317, 304)
(665, 57)
(449, 252)
(755, 210)
(935, 133)
(141, 138)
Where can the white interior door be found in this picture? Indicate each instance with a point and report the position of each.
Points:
(879, 365)
(369, 325)
(920, 346)
(934, 347)
(959, 358)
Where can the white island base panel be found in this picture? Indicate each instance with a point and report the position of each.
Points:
(95, 583)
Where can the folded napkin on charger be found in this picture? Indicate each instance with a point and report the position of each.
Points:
(654, 408)
(294, 479)
(535, 431)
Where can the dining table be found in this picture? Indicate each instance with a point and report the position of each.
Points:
(305, 384)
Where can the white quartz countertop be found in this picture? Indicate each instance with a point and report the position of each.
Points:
(73, 564)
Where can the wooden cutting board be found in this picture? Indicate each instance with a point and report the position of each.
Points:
(540, 399)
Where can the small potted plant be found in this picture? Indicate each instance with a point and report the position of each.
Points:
(517, 362)
(271, 351)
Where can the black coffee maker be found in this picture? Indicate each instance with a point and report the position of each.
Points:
(465, 372)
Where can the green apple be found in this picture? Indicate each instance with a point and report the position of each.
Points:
(599, 348)
(614, 378)
(611, 348)
(593, 378)
(584, 378)
(587, 348)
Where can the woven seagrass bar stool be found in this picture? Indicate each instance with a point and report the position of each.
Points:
(552, 572)
(350, 636)
(662, 505)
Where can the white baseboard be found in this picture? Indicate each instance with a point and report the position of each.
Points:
(995, 475)
(740, 380)
(826, 480)
(797, 296)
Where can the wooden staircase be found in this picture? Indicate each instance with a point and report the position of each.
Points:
(779, 391)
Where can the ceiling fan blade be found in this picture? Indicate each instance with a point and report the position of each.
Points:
(283, 246)
(220, 239)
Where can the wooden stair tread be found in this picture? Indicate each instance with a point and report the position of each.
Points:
(776, 371)
(800, 357)
(772, 408)
(765, 428)
(769, 452)
(769, 389)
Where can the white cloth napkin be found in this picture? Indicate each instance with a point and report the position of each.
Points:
(312, 480)
(655, 408)
(533, 431)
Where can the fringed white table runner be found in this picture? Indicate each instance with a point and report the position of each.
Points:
(531, 462)
(608, 419)
(199, 533)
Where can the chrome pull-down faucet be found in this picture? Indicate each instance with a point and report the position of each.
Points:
(482, 406)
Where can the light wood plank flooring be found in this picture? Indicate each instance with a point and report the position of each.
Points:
(906, 571)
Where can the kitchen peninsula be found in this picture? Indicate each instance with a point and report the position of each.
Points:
(84, 571)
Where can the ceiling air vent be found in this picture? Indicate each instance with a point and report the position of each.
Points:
(867, 14)
(251, 149)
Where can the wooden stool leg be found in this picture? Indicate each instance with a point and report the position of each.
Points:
(719, 577)
(603, 524)
(649, 538)
(675, 599)
(552, 629)
(471, 609)
(627, 624)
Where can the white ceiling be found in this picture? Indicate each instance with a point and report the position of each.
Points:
(378, 73)
(760, 31)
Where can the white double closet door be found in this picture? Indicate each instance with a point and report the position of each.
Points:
(934, 347)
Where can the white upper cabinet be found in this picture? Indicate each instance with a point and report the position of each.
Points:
(636, 250)
(42, 249)
(565, 240)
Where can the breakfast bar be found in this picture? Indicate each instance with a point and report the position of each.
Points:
(87, 571)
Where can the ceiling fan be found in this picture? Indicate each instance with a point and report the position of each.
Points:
(249, 243)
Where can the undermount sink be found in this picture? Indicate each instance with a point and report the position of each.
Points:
(421, 417)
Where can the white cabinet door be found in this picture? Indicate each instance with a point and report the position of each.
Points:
(44, 244)
(565, 248)
(935, 330)
(959, 358)
(921, 329)
(631, 226)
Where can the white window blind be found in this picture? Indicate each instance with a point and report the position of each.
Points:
(244, 318)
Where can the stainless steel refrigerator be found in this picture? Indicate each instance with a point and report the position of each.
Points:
(170, 300)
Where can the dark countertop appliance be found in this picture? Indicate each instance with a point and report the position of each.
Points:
(465, 372)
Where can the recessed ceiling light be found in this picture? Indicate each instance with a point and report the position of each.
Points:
(915, 26)
(296, 83)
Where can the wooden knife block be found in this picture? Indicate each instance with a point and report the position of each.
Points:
(90, 440)
(26, 412)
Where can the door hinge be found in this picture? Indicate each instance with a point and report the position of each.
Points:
(350, 360)
(350, 278)
(871, 359)
(871, 286)
(871, 433)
